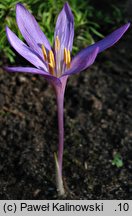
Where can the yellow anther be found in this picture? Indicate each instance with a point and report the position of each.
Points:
(44, 52)
(51, 58)
(51, 69)
(57, 43)
(65, 56)
(69, 59)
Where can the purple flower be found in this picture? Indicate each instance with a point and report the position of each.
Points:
(55, 63)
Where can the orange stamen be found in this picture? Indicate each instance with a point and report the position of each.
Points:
(44, 52)
(65, 56)
(69, 59)
(51, 69)
(57, 43)
(51, 58)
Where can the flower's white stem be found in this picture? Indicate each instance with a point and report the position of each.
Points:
(59, 180)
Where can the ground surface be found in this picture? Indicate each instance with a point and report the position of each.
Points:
(97, 125)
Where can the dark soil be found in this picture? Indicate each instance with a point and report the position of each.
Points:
(97, 125)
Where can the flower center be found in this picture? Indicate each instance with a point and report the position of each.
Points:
(57, 60)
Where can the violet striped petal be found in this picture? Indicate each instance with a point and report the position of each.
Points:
(24, 50)
(31, 70)
(107, 42)
(30, 29)
(80, 63)
(65, 27)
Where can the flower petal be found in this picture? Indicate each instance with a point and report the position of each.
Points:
(48, 76)
(81, 62)
(108, 41)
(30, 29)
(24, 50)
(65, 27)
